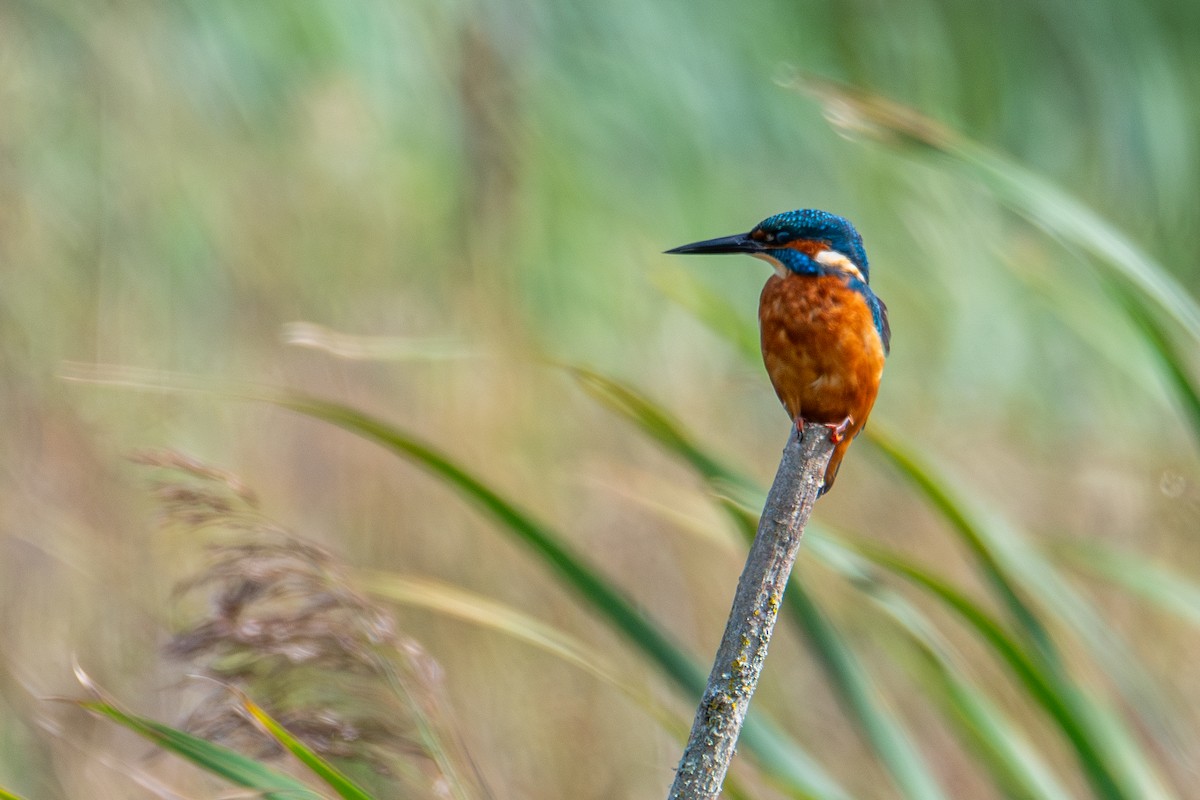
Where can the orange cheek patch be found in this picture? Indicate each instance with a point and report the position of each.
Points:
(810, 247)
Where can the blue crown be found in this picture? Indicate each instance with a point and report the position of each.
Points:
(812, 223)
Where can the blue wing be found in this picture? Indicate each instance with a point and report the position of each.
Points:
(881, 325)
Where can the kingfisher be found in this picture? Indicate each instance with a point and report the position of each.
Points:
(824, 333)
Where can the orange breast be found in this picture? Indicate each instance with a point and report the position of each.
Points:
(822, 352)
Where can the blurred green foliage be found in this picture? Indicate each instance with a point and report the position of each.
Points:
(481, 189)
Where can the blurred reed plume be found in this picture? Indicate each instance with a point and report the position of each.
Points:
(285, 627)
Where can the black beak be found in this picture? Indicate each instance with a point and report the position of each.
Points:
(740, 243)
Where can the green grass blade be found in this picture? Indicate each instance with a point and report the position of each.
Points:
(1036, 199)
(469, 607)
(1015, 571)
(997, 557)
(330, 774)
(1163, 587)
(661, 426)
(1071, 710)
(776, 753)
(879, 726)
(886, 735)
(681, 286)
(1010, 759)
(7, 795)
(1008, 756)
(354, 347)
(222, 761)
(549, 546)
(1170, 360)
(997, 744)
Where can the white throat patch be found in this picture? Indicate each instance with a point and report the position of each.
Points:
(826, 258)
(780, 269)
(835, 260)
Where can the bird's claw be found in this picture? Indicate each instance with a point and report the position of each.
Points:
(837, 430)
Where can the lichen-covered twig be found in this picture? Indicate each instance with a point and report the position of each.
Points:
(756, 604)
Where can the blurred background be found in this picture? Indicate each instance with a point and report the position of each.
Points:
(426, 210)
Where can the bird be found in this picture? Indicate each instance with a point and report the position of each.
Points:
(824, 333)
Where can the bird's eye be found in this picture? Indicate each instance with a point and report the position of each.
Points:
(782, 237)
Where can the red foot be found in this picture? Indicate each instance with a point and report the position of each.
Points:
(838, 432)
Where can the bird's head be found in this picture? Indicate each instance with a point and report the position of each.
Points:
(806, 241)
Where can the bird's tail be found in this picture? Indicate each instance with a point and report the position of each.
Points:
(835, 463)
